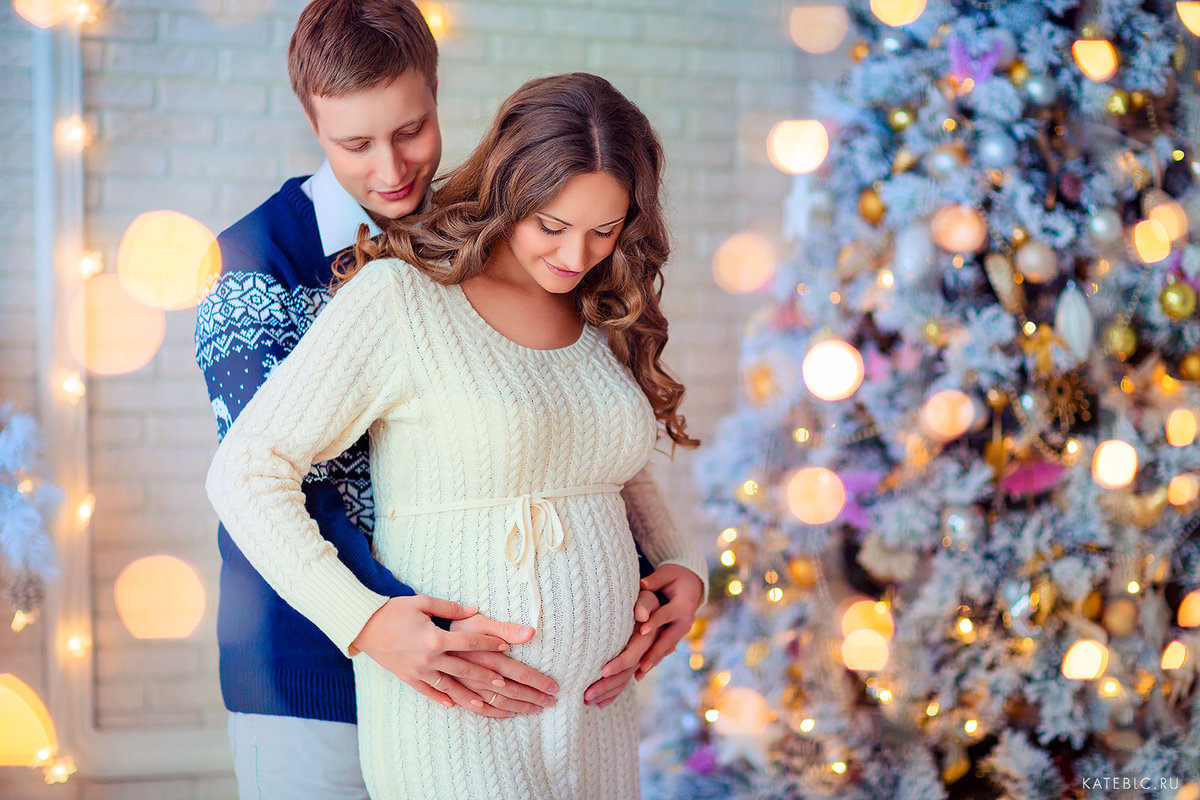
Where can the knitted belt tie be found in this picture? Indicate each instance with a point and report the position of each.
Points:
(534, 525)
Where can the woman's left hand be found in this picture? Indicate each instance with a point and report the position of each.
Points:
(619, 672)
(684, 591)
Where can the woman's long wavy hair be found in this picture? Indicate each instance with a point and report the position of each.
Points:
(548, 131)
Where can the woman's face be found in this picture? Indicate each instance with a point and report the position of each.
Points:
(557, 245)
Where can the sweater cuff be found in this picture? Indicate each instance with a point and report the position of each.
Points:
(342, 603)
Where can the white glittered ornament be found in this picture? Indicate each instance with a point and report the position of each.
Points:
(1073, 323)
(913, 254)
(1037, 261)
(1041, 90)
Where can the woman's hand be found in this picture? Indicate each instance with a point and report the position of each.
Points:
(671, 622)
(619, 672)
(525, 690)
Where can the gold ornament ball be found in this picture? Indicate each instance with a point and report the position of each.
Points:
(1019, 236)
(1118, 102)
(1189, 366)
(934, 333)
(899, 118)
(1018, 73)
(904, 161)
(870, 205)
(1138, 100)
(859, 51)
(803, 572)
(1178, 300)
(1120, 340)
(1120, 616)
(997, 399)
(1093, 606)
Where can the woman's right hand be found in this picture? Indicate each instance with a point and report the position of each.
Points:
(402, 638)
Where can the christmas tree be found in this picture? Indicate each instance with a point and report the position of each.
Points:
(959, 550)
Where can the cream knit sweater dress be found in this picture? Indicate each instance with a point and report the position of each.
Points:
(505, 478)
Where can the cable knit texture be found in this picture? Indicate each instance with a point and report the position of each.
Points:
(458, 414)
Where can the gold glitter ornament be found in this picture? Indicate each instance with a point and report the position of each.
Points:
(1118, 102)
(904, 161)
(955, 764)
(1120, 340)
(1019, 236)
(1189, 366)
(1092, 606)
(870, 205)
(995, 454)
(803, 572)
(1018, 73)
(900, 118)
(1138, 100)
(1178, 300)
(1120, 616)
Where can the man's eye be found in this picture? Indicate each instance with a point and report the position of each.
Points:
(357, 149)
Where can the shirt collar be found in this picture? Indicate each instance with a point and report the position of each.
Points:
(338, 213)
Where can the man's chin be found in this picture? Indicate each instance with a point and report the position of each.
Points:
(383, 210)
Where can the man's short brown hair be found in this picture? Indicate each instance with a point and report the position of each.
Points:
(345, 46)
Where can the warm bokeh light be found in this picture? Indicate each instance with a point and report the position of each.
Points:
(71, 135)
(27, 735)
(160, 597)
(815, 495)
(1189, 12)
(897, 12)
(1096, 57)
(1151, 240)
(1181, 427)
(947, 415)
(832, 369)
(1172, 217)
(1114, 464)
(1189, 610)
(818, 29)
(45, 13)
(91, 264)
(797, 146)
(869, 615)
(744, 263)
(1085, 660)
(74, 387)
(435, 17)
(1183, 489)
(865, 650)
(958, 229)
(111, 333)
(167, 259)
(742, 711)
(1175, 655)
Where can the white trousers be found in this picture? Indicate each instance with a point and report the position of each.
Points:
(288, 758)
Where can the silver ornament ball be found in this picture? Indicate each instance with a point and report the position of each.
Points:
(1037, 261)
(1041, 90)
(1104, 227)
(895, 42)
(997, 151)
(941, 163)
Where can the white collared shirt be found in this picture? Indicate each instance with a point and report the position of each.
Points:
(338, 213)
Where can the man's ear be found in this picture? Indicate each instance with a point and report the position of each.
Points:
(435, 88)
(312, 123)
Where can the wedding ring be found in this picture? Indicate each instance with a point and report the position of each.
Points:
(439, 680)
(492, 702)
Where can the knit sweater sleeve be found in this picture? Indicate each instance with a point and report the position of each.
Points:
(344, 374)
(655, 531)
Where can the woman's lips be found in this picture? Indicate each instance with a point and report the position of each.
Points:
(562, 273)
(399, 194)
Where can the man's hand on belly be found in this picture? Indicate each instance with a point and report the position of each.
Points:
(620, 671)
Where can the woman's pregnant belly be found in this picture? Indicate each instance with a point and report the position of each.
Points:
(586, 589)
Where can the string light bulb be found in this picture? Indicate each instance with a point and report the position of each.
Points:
(797, 146)
(833, 369)
(1181, 427)
(1175, 656)
(1151, 240)
(87, 507)
(1114, 464)
(1189, 610)
(77, 646)
(91, 264)
(1183, 489)
(74, 387)
(72, 135)
(1097, 58)
(1086, 660)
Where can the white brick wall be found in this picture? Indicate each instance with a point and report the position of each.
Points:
(191, 110)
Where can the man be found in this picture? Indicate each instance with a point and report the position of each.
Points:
(365, 72)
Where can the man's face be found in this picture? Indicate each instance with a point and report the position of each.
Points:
(383, 143)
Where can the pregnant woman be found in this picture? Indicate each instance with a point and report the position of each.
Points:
(503, 350)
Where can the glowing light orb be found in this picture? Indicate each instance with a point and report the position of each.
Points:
(1181, 427)
(897, 12)
(1189, 12)
(815, 495)
(868, 615)
(27, 735)
(818, 29)
(1189, 610)
(744, 263)
(865, 650)
(1182, 490)
(742, 712)
(958, 229)
(832, 369)
(947, 414)
(797, 146)
(1096, 57)
(167, 259)
(1175, 655)
(1172, 217)
(45, 13)
(1085, 660)
(109, 332)
(1151, 240)
(160, 597)
(1114, 464)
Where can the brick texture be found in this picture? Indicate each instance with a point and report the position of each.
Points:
(192, 111)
